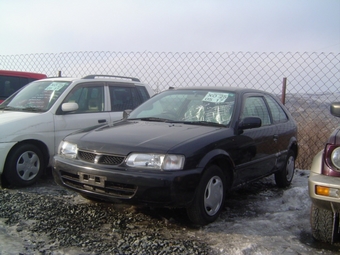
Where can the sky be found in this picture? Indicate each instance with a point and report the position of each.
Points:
(54, 26)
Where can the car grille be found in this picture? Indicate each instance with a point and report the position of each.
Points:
(100, 158)
(110, 189)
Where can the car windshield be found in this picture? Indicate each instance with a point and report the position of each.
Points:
(38, 96)
(201, 107)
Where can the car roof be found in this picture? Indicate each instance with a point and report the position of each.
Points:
(222, 88)
(104, 78)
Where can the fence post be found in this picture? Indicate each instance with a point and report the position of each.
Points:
(284, 86)
(59, 73)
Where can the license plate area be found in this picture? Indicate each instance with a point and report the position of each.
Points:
(94, 180)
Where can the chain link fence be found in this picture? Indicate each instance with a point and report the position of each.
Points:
(313, 79)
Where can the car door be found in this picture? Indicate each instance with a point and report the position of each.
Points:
(91, 111)
(284, 126)
(257, 146)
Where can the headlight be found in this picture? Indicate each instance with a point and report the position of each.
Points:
(67, 150)
(335, 157)
(156, 161)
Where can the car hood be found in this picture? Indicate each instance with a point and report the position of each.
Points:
(15, 124)
(11, 116)
(125, 137)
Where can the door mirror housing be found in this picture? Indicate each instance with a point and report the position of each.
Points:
(250, 122)
(69, 107)
(126, 113)
(335, 109)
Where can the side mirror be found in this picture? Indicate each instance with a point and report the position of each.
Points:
(250, 122)
(126, 113)
(335, 109)
(69, 107)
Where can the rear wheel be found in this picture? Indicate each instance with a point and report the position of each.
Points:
(284, 176)
(24, 165)
(322, 224)
(209, 197)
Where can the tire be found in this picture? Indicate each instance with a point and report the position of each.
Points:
(24, 165)
(284, 176)
(209, 198)
(321, 223)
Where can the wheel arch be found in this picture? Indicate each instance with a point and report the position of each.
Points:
(293, 146)
(42, 146)
(223, 160)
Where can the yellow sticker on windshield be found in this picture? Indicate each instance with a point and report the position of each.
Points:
(56, 86)
(215, 97)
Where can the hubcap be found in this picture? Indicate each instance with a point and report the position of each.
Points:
(290, 168)
(28, 165)
(213, 195)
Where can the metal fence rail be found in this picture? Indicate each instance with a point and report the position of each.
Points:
(313, 79)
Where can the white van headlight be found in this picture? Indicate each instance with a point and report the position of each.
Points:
(67, 150)
(156, 161)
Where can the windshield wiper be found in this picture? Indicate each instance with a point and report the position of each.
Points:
(10, 108)
(152, 119)
(32, 109)
(201, 122)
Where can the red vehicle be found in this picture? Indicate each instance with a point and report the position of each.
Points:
(11, 81)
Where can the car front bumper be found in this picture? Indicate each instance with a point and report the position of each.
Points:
(326, 202)
(127, 185)
(4, 150)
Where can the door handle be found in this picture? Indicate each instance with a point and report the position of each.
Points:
(102, 121)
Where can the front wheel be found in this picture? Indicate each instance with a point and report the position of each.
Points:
(284, 176)
(24, 165)
(209, 197)
(322, 223)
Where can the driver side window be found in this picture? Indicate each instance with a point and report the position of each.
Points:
(255, 106)
(88, 98)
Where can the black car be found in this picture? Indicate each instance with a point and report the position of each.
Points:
(184, 147)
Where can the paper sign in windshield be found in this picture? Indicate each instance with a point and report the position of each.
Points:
(215, 97)
(56, 86)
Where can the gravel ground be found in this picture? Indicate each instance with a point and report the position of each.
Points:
(52, 220)
(48, 219)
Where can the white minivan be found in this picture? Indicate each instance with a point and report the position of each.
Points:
(34, 120)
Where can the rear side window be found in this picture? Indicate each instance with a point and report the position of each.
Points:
(277, 112)
(143, 92)
(123, 98)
